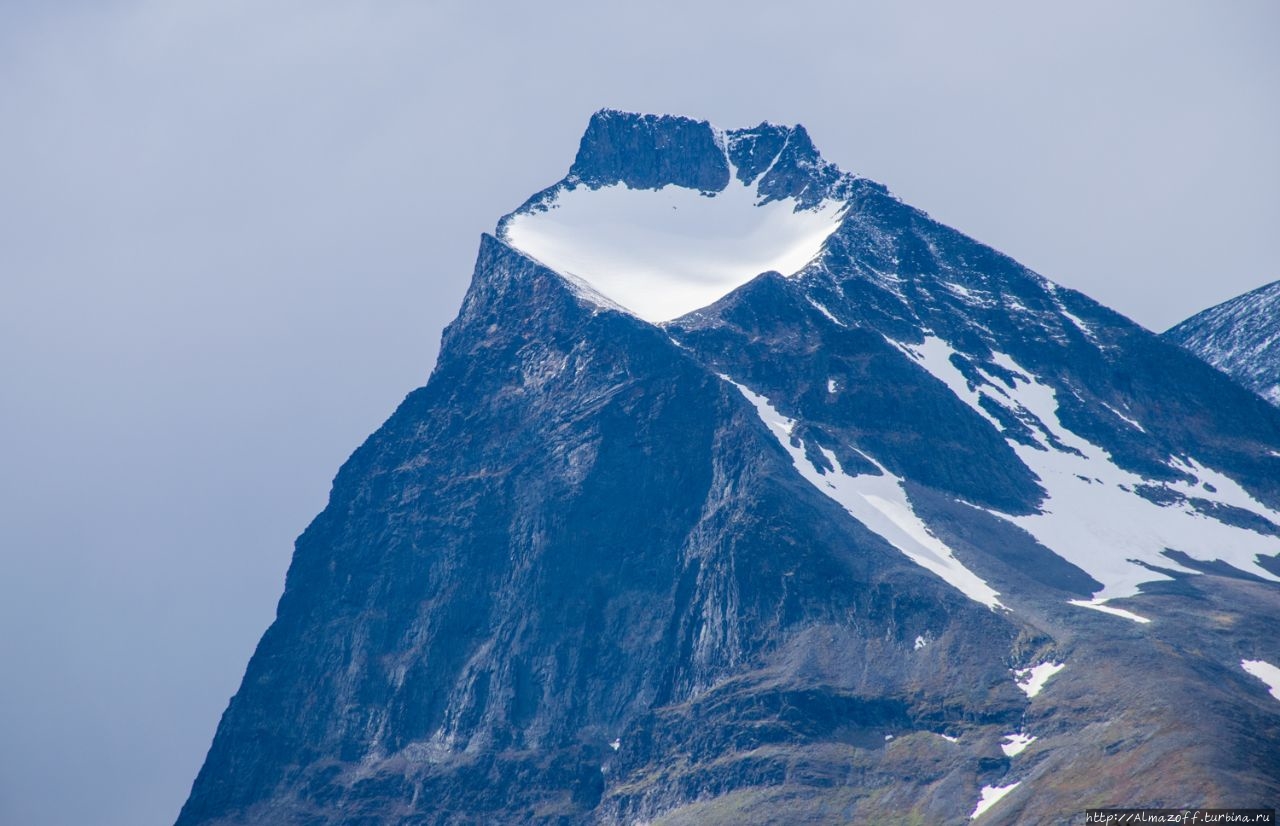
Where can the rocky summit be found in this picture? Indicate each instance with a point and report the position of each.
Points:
(744, 493)
(1241, 337)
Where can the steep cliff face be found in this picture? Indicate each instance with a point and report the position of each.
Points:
(571, 525)
(810, 552)
(1241, 337)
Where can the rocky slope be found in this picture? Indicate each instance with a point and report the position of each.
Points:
(1241, 337)
(901, 530)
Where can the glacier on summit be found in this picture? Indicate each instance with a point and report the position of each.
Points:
(661, 253)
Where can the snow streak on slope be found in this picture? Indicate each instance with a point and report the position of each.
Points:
(1266, 672)
(1093, 517)
(991, 795)
(1014, 744)
(1109, 609)
(661, 253)
(1031, 680)
(880, 503)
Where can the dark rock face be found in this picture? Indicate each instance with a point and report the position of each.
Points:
(753, 151)
(571, 527)
(576, 579)
(649, 152)
(653, 151)
(1240, 337)
(795, 169)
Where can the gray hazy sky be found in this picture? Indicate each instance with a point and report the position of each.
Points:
(231, 232)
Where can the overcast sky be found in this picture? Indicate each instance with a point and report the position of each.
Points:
(232, 230)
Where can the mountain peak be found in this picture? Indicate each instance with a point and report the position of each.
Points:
(650, 152)
(817, 547)
(664, 214)
(1240, 337)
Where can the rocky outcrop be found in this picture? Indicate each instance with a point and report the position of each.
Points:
(1240, 337)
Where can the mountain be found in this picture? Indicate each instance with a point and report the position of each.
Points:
(1240, 337)
(743, 492)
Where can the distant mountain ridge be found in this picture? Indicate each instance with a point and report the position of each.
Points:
(743, 492)
(1241, 337)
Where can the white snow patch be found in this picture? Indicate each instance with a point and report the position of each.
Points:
(1274, 453)
(1092, 517)
(880, 503)
(1014, 304)
(1126, 419)
(1015, 743)
(1226, 491)
(1266, 672)
(920, 643)
(1031, 680)
(949, 738)
(1081, 324)
(665, 252)
(584, 290)
(1108, 609)
(991, 795)
(971, 297)
(616, 744)
(888, 737)
(890, 281)
(822, 309)
(832, 387)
